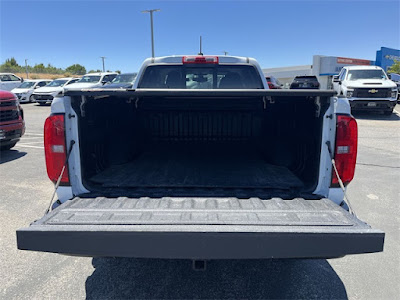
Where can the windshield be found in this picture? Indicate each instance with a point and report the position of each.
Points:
(201, 77)
(124, 78)
(26, 84)
(85, 79)
(55, 83)
(365, 74)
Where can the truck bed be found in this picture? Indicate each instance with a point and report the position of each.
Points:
(198, 168)
(200, 228)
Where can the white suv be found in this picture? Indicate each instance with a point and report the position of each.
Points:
(366, 88)
(92, 80)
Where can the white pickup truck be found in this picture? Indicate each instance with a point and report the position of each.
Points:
(366, 88)
(200, 160)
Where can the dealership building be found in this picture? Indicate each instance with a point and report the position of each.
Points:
(325, 67)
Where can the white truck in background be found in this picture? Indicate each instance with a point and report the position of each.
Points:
(9, 81)
(200, 160)
(367, 88)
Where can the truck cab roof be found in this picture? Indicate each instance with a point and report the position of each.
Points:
(363, 68)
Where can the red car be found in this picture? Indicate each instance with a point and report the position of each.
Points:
(273, 83)
(12, 124)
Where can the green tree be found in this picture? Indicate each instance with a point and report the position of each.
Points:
(12, 62)
(39, 68)
(76, 69)
(395, 68)
(11, 65)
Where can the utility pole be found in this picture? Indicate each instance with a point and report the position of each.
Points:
(26, 68)
(151, 24)
(103, 57)
(201, 46)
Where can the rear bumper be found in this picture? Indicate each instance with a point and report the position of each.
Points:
(383, 105)
(201, 229)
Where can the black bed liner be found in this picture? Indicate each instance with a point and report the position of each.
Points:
(179, 169)
(200, 228)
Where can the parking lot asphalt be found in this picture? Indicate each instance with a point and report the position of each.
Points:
(25, 192)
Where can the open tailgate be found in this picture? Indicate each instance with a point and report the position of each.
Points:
(200, 228)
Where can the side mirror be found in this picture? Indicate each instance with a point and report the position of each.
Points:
(336, 79)
(104, 82)
(22, 80)
(390, 76)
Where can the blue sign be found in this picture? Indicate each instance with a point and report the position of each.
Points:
(386, 57)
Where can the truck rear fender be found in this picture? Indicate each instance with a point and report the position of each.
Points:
(63, 105)
(325, 166)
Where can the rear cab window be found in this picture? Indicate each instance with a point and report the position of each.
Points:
(201, 77)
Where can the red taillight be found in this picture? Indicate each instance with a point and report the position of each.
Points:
(345, 149)
(200, 59)
(55, 149)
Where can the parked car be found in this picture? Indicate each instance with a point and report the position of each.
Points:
(125, 81)
(273, 83)
(47, 93)
(396, 79)
(305, 82)
(171, 169)
(9, 81)
(12, 125)
(25, 90)
(367, 88)
(92, 80)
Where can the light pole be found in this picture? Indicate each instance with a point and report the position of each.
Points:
(26, 68)
(103, 57)
(151, 23)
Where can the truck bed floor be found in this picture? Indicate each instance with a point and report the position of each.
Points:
(193, 169)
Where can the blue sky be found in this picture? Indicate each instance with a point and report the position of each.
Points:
(276, 33)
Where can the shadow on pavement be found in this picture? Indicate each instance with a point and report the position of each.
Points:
(376, 116)
(124, 278)
(9, 155)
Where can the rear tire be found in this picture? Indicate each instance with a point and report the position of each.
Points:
(7, 147)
